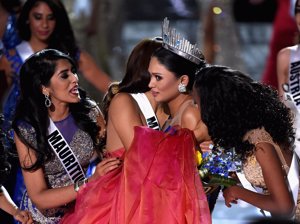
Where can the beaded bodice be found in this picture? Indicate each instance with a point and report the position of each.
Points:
(251, 167)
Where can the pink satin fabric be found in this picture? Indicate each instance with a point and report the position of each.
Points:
(158, 183)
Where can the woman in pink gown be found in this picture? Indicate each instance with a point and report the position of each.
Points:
(158, 181)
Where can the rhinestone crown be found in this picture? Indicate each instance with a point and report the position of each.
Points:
(175, 42)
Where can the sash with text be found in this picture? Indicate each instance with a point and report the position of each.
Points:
(64, 153)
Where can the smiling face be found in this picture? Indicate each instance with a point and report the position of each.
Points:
(63, 87)
(163, 83)
(41, 22)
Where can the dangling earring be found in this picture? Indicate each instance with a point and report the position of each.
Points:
(48, 102)
(181, 88)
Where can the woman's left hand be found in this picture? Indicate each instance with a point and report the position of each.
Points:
(106, 165)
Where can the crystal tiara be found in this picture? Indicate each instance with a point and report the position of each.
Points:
(176, 43)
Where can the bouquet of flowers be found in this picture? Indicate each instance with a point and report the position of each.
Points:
(216, 168)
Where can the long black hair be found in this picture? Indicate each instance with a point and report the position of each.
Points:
(232, 104)
(35, 72)
(62, 38)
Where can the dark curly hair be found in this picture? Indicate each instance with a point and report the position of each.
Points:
(232, 104)
(35, 72)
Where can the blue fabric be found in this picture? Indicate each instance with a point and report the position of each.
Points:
(92, 167)
(10, 37)
(19, 187)
(14, 93)
(67, 127)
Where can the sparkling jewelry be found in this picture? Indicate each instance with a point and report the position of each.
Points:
(181, 88)
(48, 102)
(286, 87)
(173, 41)
(79, 183)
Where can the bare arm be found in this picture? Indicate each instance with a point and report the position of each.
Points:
(93, 73)
(124, 115)
(38, 191)
(191, 119)
(279, 200)
(6, 202)
(7, 205)
(36, 185)
(283, 60)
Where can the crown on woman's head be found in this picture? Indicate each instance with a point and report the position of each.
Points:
(176, 43)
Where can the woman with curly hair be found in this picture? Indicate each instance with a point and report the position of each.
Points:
(240, 113)
(58, 130)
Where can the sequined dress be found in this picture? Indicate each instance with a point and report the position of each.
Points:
(16, 56)
(55, 175)
(251, 167)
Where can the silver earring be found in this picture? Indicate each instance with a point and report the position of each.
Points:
(181, 88)
(47, 100)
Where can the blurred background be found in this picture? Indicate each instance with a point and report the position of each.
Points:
(236, 33)
(243, 34)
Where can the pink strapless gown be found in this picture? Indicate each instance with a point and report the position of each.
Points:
(158, 183)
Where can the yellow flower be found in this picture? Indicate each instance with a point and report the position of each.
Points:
(198, 157)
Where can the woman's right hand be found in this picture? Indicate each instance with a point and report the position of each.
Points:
(23, 216)
(229, 195)
(106, 165)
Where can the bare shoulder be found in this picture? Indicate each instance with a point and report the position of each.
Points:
(284, 54)
(122, 102)
(191, 111)
(190, 117)
(266, 150)
(121, 99)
